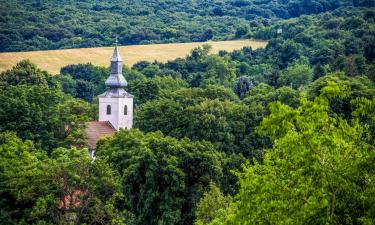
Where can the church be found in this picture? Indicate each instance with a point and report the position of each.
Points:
(115, 106)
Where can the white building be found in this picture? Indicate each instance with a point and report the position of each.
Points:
(115, 105)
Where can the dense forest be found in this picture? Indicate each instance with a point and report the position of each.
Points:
(41, 25)
(279, 135)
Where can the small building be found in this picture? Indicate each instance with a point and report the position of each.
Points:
(115, 106)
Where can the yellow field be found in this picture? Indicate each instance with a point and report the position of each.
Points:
(53, 60)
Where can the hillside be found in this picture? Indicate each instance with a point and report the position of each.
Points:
(53, 60)
(45, 25)
(279, 131)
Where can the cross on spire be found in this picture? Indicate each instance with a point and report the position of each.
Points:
(116, 39)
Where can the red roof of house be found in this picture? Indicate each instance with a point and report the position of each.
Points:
(96, 130)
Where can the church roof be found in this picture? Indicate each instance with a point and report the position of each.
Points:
(116, 79)
(115, 93)
(96, 130)
(116, 55)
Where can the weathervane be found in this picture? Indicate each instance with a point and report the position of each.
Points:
(116, 41)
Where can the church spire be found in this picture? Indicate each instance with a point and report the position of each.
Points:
(116, 54)
(116, 79)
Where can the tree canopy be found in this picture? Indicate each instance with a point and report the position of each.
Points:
(277, 135)
(319, 170)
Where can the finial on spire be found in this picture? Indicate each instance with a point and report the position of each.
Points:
(116, 53)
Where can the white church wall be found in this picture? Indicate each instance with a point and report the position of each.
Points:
(125, 121)
(113, 117)
(117, 117)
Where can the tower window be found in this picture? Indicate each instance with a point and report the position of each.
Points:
(125, 110)
(108, 110)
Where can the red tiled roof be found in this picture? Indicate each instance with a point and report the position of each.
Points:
(71, 200)
(96, 130)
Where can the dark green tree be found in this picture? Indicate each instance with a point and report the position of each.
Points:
(242, 86)
(25, 73)
(65, 188)
(163, 178)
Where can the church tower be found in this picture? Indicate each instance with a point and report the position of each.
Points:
(116, 105)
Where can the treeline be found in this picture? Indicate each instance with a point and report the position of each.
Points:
(42, 25)
(283, 134)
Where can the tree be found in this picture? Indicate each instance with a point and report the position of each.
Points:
(229, 126)
(218, 70)
(360, 87)
(296, 75)
(241, 31)
(66, 188)
(284, 52)
(151, 71)
(43, 115)
(144, 90)
(192, 96)
(163, 178)
(85, 90)
(89, 80)
(24, 72)
(350, 67)
(200, 52)
(307, 177)
(242, 86)
(211, 205)
(371, 72)
(319, 71)
(68, 84)
(264, 94)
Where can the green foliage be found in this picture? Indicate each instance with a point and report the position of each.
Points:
(371, 72)
(359, 86)
(218, 71)
(227, 125)
(72, 24)
(211, 205)
(191, 96)
(242, 86)
(264, 94)
(150, 71)
(162, 177)
(319, 170)
(83, 81)
(25, 73)
(314, 164)
(144, 90)
(296, 75)
(205, 114)
(38, 112)
(169, 84)
(66, 188)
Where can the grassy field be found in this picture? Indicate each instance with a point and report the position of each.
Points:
(53, 60)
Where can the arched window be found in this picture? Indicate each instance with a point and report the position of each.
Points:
(125, 110)
(108, 110)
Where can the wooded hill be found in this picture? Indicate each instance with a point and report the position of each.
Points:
(41, 25)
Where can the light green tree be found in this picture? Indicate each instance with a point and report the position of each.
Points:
(211, 205)
(296, 75)
(319, 171)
